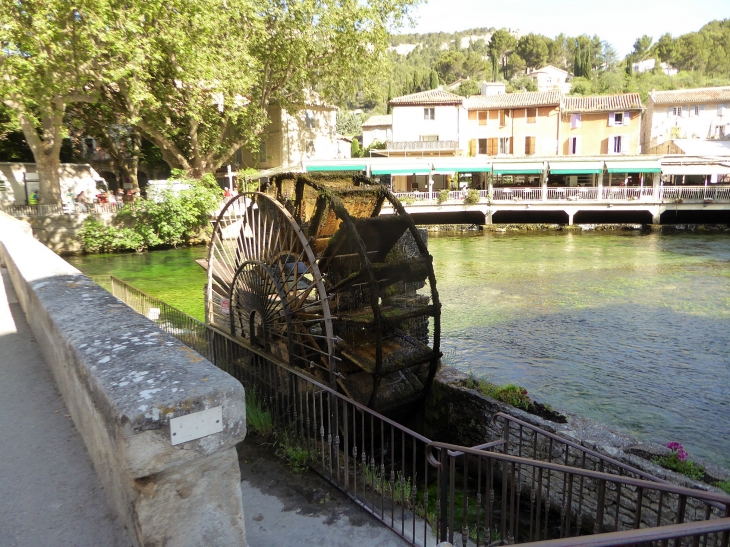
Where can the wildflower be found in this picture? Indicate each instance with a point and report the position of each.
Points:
(681, 454)
(674, 445)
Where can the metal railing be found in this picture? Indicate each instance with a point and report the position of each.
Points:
(428, 492)
(67, 209)
(423, 145)
(605, 194)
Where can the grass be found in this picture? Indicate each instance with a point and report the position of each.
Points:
(257, 418)
(292, 453)
(509, 393)
(687, 468)
(724, 485)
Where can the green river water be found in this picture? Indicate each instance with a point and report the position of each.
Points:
(632, 330)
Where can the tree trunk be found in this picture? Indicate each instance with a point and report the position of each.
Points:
(49, 167)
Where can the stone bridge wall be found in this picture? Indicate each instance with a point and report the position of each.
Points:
(125, 383)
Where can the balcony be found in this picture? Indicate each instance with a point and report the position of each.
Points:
(419, 149)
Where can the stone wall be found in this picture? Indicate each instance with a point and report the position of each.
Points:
(60, 233)
(126, 385)
(459, 415)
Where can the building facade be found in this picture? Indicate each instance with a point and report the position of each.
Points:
(519, 124)
(702, 113)
(377, 128)
(293, 137)
(600, 125)
(550, 77)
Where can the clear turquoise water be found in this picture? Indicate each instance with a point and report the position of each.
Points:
(631, 330)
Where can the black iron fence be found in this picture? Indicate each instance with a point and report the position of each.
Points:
(527, 486)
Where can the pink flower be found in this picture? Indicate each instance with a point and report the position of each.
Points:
(681, 454)
(674, 445)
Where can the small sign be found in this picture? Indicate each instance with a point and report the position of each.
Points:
(127, 185)
(197, 425)
(154, 314)
(226, 306)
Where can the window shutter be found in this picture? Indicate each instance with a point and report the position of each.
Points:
(670, 113)
(574, 121)
(577, 146)
(611, 145)
(627, 118)
(511, 146)
(472, 115)
(492, 145)
(473, 147)
(702, 108)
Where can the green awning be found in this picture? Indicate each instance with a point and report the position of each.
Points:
(400, 171)
(526, 168)
(633, 166)
(341, 167)
(441, 167)
(576, 167)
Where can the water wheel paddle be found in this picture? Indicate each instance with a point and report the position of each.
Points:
(312, 275)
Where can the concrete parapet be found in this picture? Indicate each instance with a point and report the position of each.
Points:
(126, 384)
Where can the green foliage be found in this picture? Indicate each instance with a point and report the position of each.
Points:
(443, 197)
(521, 83)
(355, 150)
(177, 218)
(472, 197)
(348, 123)
(724, 485)
(533, 49)
(98, 238)
(258, 419)
(468, 87)
(289, 449)
(685, 467)
(509, 393)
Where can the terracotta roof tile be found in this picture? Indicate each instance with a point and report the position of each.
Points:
(697, 95)
(433, 97)
(513, 100)
(602, 103)
(375, 121)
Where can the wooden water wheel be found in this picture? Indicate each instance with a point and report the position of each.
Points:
(311, 274)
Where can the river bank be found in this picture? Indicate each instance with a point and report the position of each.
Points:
(626, 328)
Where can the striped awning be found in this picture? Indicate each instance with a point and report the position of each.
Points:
(576, 167)
(524, 168)
(633, 166)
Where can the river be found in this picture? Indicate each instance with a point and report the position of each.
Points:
(632, 330)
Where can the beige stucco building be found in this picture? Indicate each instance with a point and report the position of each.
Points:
(377, 128)
(701, 113)
(601, 124)
(519, 124)
(294, 137)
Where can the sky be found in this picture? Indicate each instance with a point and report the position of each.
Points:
(620, 22)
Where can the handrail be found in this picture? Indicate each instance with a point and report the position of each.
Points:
(641, 535)
(546, 433)
(297, 372)
(722, 499)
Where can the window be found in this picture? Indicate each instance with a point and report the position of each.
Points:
(482, 146)
(574, 121)
(574, 146)
(503, 115)
(530, 145)
(309, 121)
(239, 156)
(262, 151)
(429, 138)
(676, 111)
(531, 114)
(505, 145)
(482, 114)
(694, 110)
(429, 113)
(619, 118)
(616, 144)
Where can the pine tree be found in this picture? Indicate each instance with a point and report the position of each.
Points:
(390, 97)
(434, 80)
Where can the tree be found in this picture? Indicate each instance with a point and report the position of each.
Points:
(516, 65)
(46, 52)
(450, 66)
(348, 123)
(468, 87)
(665, 48)
(433, 80)
(559, 52)
(533, 49)
(500, 45)
(205, 73)
(641, 47)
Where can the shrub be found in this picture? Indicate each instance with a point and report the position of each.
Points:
(471, 197)
(677, 461)
(443, 197)
(724, 485)
(257, 418)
